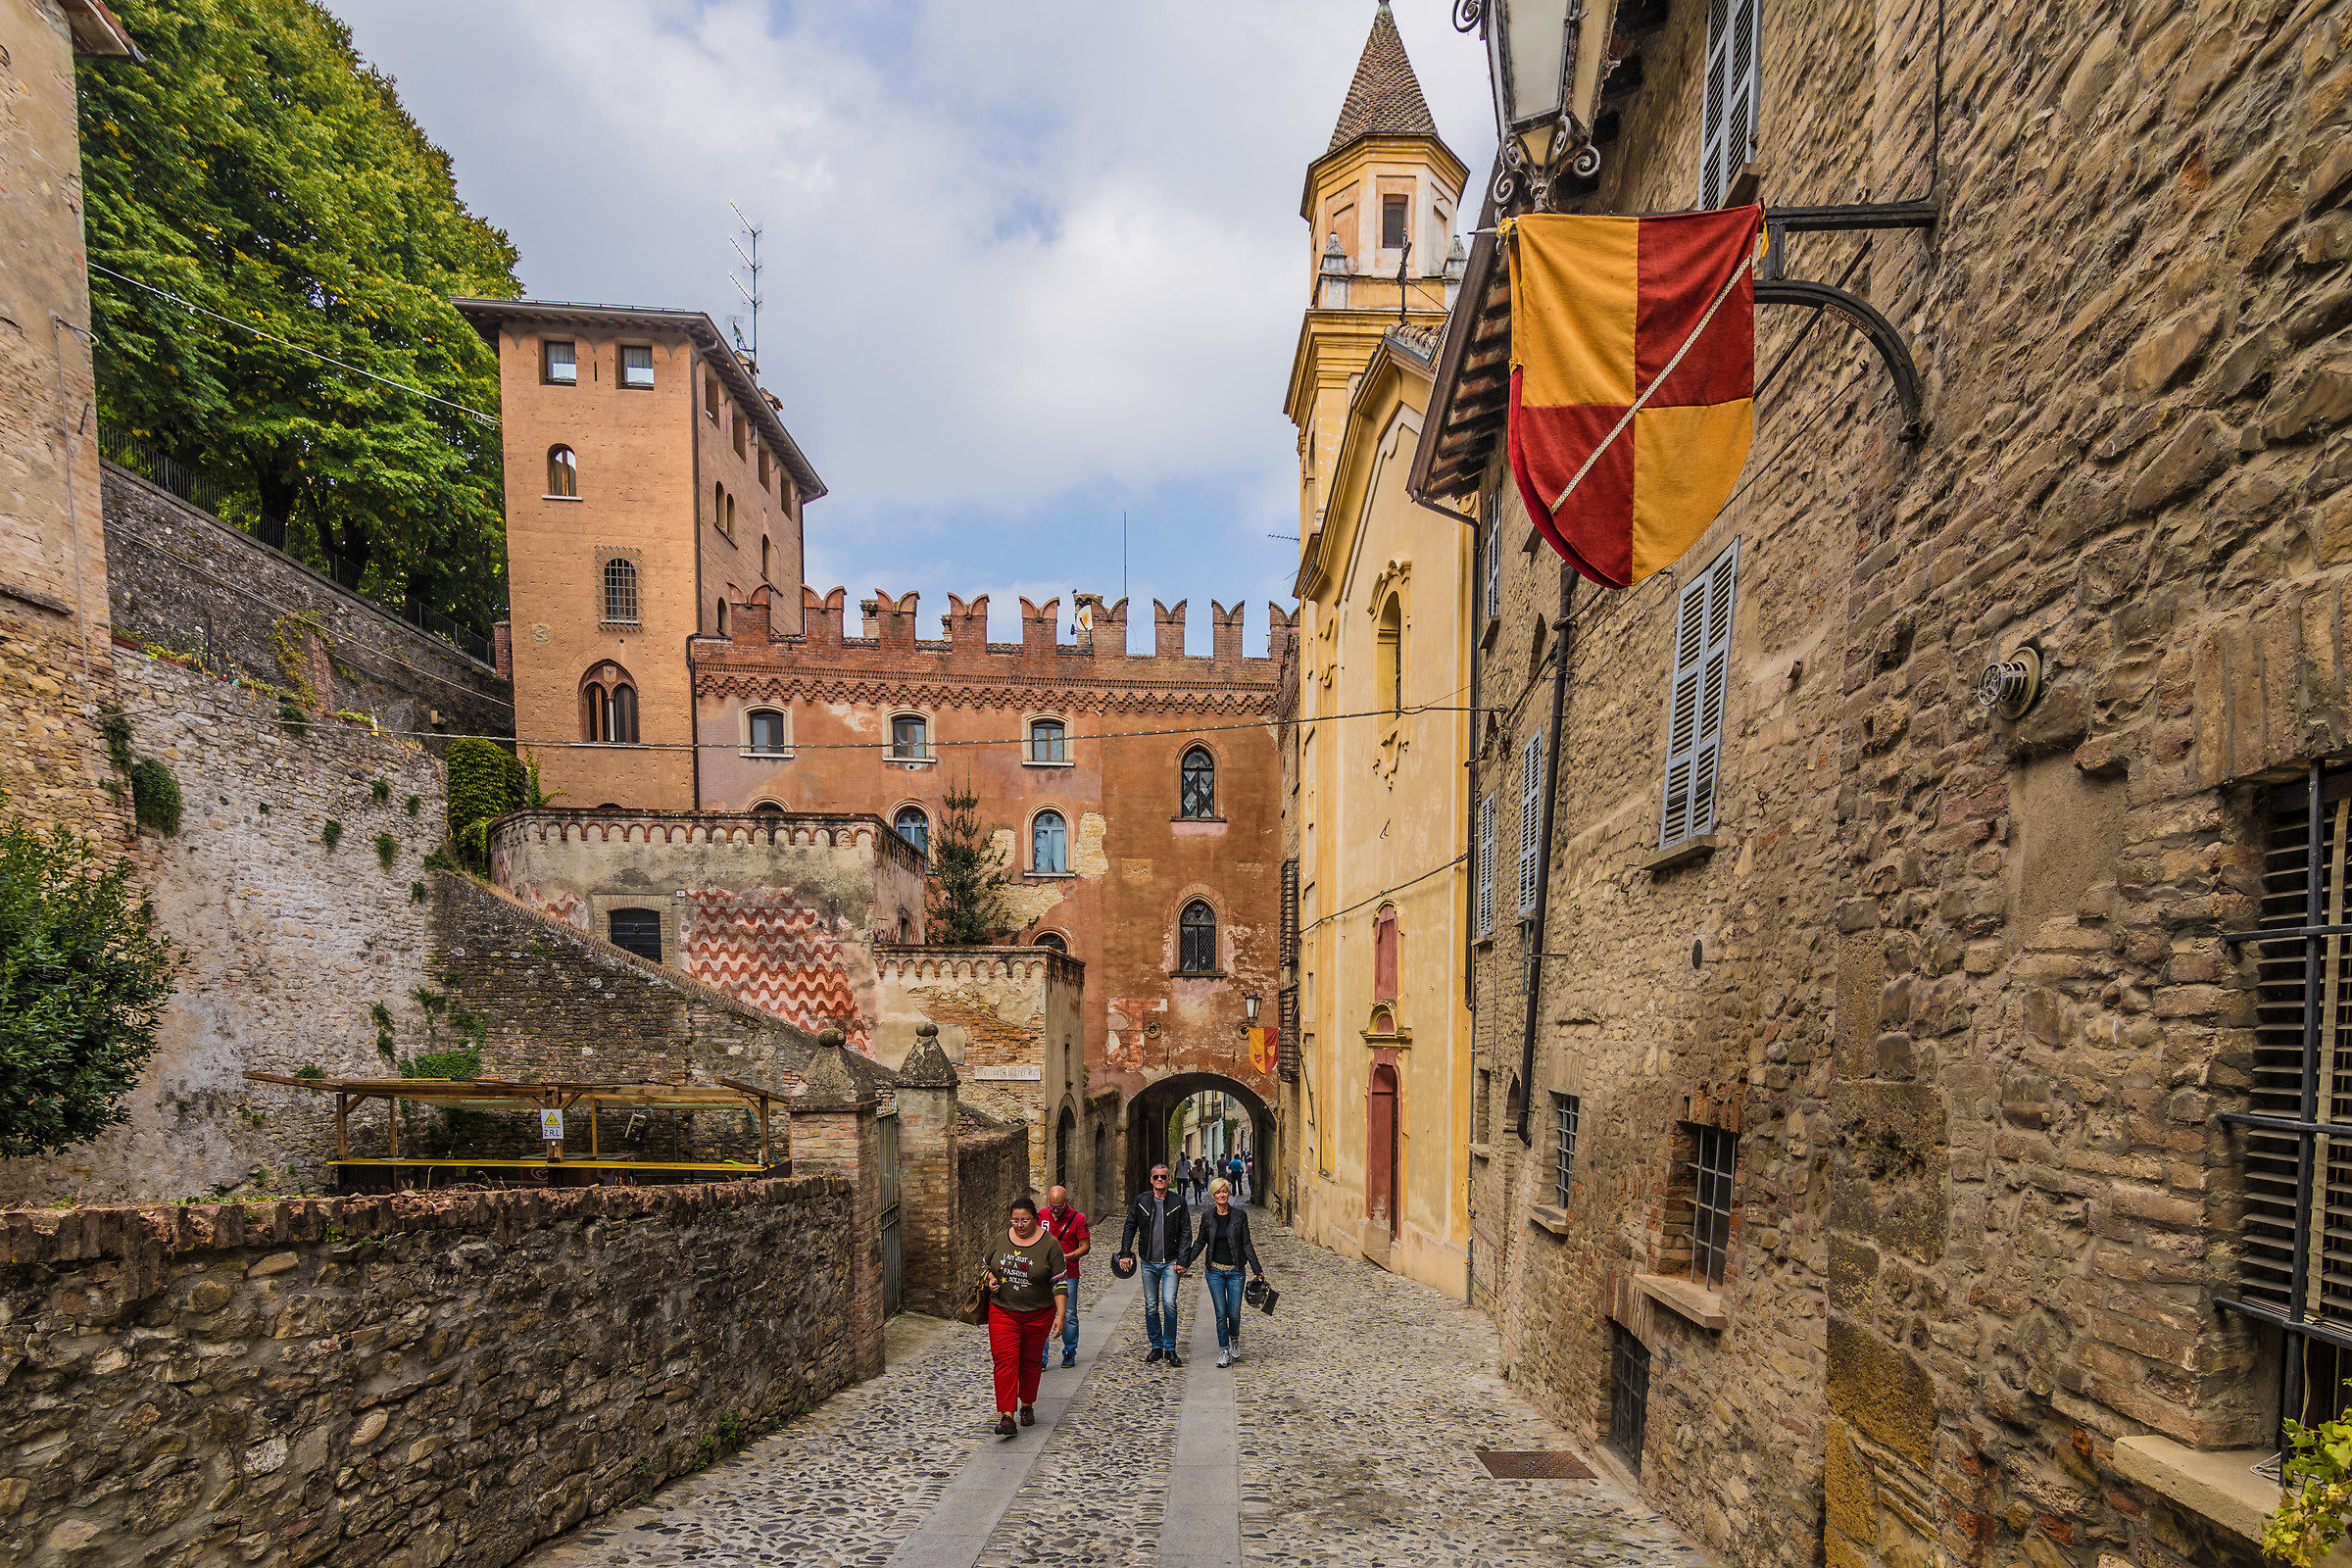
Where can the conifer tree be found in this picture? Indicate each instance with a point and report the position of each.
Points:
(967, 878)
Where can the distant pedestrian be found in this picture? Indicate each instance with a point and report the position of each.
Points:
(1024, 1270)
(1068, 1227)
(1225, 1238)
(1238, 1174)
(1200, 1179)
(1160, 1226)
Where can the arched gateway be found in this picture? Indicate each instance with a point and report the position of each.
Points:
(1147, 1115)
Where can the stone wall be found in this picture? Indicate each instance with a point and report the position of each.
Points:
(991, 1169)
(180, 577)
(289, 941)
(404, 1378)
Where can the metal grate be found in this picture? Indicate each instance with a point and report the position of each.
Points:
(2296, 1251)
(1533, 1464)
(1711, 1202)
(1565, 1109)
(1629, 1394)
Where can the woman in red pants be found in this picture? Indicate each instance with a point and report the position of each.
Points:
(1028, 1293)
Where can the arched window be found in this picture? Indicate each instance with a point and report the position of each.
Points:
(730, 517)
(609, 706)
(1056, 940)
(916, 829)
(1049, 845)
(1391, 655)
(768, 808)
(621, 591)
(1199, 795)
(637, 931)
(1048, 741)
(906, 929)
(1196, 939)
(1384, 955)
(723, 620)
(764, 730)
(563, 472)
(767, 558)
(718, 508)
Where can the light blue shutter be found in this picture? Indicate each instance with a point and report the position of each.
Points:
(1703, 657)
(1530, 813)
(1735, 95)
(1486, 866)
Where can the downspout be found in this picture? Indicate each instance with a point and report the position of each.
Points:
(694, 514)
(1563, 641)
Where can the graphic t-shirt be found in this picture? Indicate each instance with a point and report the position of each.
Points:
(1069, 1229)
(1027, 1277)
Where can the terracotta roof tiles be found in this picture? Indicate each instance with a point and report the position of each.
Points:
(1385, 99)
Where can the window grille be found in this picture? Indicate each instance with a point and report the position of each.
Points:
(2295, 1257)
(1196, 940)
(767, 731)
(1703, 661)
(916, 829)
(1629, 1394)
(563, 366)
(1049, 845)
(911, 738)
(637, 931)
(1286, 1049)
(1715, 1152)
(621, 590)
(1048, 741)
(1531, 817)
(1290, 913)
(1564, 1113)
(1735, 95)
(1198, 785)
(1486, 866)
(636, 364)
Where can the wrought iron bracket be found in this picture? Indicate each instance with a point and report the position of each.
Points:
(1774, 289)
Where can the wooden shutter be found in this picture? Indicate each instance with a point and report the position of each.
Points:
(1486, 866)
(1703, 657)
(1290, 913)
(1735, 95)
(1531, 816)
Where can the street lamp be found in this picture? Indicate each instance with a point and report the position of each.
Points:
(1250, 1006)
(1545, 59)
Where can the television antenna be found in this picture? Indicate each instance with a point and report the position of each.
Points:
(750, 254)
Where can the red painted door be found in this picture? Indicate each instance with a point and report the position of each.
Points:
(1379, 1153)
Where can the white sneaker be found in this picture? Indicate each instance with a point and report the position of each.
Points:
(1224, 1358)
(1237, 1355)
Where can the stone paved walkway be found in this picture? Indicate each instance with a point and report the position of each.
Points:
(1353, 1422)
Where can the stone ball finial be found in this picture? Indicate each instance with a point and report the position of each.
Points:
(926, 1030)
(832, 1039)
(926, 1065)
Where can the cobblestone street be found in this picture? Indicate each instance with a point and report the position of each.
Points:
(1355, 1419)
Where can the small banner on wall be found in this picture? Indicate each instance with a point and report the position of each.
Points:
(1633, 381)
(1262, 1044)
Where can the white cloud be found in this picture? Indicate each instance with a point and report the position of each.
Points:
(1029, 260)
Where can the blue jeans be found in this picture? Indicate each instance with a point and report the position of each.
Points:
(1069, 1328)
(1225, 1294)
(1159, 1305)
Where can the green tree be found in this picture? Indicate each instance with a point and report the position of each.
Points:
(967, 878)
(84, 978)
(256, 167)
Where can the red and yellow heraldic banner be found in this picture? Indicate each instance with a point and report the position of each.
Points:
(1633, 381)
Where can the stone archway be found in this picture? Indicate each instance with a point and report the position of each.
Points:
(1148, 1124)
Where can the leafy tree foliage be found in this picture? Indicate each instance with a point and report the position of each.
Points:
(255, 165)
(968, 879)
(84, 978)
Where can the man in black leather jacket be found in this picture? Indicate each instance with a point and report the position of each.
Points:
(1164, 1226)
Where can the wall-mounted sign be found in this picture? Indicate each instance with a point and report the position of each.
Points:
(1009, 1075)
(550, 1126)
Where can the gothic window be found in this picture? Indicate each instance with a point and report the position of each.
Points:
(1198, 800)
(609, 706)
(1049, 845)
(621, 590)
(559, 364)
(1391, 655)
(1048, 741)
(1196, 939)
(725, 621)
(562, 473)
(1702, 661)
(767, 558)
(911, 738)
(764, 730)
(916, 829)
(1735, 96)
(1056, 940)
(636, 364)
(637, 931)
(1383, 953)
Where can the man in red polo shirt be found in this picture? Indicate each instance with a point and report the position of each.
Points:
(1069, 1229)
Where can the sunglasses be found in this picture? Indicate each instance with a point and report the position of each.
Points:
(1160, 1175)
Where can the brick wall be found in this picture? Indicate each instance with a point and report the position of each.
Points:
(991, 1169)
(180, 577)
(375, 1378)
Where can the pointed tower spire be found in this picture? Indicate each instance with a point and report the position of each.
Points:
(1385, 99)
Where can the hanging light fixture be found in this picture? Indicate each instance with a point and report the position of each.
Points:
(1545, 60)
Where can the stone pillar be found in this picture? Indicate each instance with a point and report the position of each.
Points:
(927, 1218)
(834, 1134)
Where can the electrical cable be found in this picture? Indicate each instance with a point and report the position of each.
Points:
(1336, 915)
(298, 347)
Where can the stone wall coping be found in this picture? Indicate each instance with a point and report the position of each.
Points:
(1679, 1296)
(2219, 1483)
(795, 829)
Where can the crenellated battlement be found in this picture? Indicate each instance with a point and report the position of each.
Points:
(888, 648)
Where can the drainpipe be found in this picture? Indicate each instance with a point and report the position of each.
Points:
(1562, 643)
(1477, 869)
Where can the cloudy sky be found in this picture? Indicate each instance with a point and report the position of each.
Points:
(1030, 264)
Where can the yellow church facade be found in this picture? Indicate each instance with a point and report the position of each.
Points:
(1380, 795)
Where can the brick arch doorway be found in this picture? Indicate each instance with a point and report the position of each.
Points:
(1147, 1125)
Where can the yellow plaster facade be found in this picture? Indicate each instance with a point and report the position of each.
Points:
(1383, 1102)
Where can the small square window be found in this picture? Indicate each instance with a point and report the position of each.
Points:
(560, 363)
(636, 364)
(1048, 741)
(1391, 223)
(911, 738)
(1565, 1109)
(766, 731)
(1712, 1159)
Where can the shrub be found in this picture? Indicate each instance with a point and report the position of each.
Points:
(330, 833)
(294, 717)
(387, 848)
(114, 729)
(415, 802)
(84, 978)
(2314, 1502)
(382, 789)
(415, 893)
(155, 796)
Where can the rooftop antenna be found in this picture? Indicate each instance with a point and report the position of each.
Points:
(751, 261)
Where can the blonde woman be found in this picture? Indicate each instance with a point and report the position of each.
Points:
(1225, 1238)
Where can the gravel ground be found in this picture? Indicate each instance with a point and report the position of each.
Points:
(1360, 1406)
